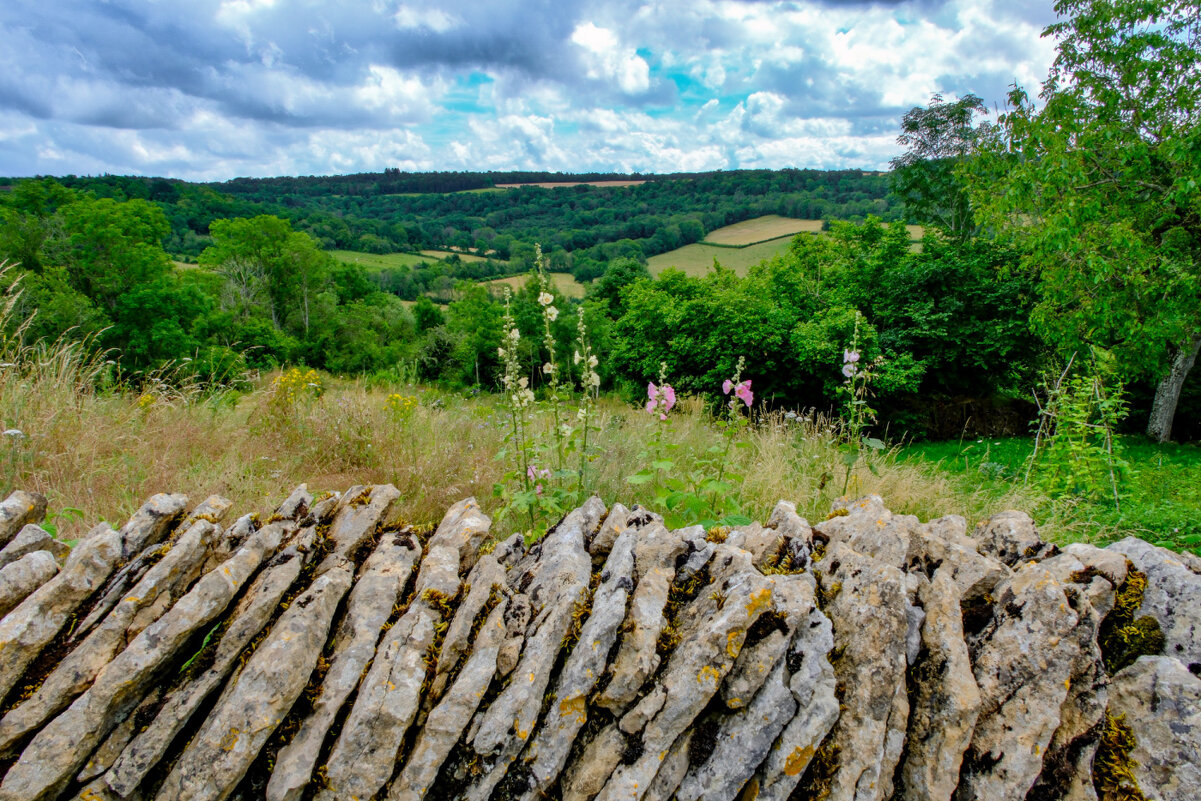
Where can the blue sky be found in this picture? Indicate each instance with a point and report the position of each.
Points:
(213, 89)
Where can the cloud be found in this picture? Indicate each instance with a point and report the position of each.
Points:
(217, 88)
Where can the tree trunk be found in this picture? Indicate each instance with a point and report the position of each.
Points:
(1167, 394)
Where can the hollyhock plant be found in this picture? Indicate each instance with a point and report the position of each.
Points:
(661, 399)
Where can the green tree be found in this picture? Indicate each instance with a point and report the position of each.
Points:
(267, 263)
(1101, 186)
(939, 138)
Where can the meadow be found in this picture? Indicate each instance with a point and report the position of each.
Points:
(373, 262)
(564, 283)
(697, 259)
(760, 229)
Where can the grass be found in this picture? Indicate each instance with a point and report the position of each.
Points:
(565, 283)
(697, 259)
(1160, 501)
(760, 229)
(379, 261)
(442, 254)
(98, 449)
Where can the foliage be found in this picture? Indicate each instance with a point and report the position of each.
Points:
(1101, 188)
(938, 139)
(1078, 419)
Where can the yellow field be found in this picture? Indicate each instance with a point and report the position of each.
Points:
(697, 259)
(770, 226)
(565, 283)
(442, 254)
(378, 261)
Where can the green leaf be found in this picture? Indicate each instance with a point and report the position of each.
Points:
(874, 444)
(639, 478)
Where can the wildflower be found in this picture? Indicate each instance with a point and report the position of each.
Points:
(548, 368)
(545, 298)
(662, 399)
(14, 433)
(500, 352)
(552, 313)
(576, 358)
(742, 391)
(850, 356)
(849, 370)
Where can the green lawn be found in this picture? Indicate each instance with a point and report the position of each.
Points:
(698, 258)
(1160, 501)
(380, 261)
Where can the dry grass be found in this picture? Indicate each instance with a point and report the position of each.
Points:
(770, 226)
(104, 451)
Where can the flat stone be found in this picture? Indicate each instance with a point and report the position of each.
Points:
(296, 505)
(376, 593)
(1172, 597)
(711, 637)
(655, 552)
(742, 742)
(1022, 661)
(872, 530)
(586, 777)
(446, 723)
(672, 771)
(151, 523)
(615, 524)
(812, 684)
(1011, 537)
(357, 514)
(1160, 701)
(366, 750)
(157, 591)
(19, 509)
(103, 757)
(870, 627)
(19, 579)
(486, 578)
(250, 616)
(236, 730)
(941, 544)
(60, 749)
(945, 697)
(29, 628)
(30, 538)
(584, 667)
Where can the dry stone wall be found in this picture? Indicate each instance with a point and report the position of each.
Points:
(328, 651)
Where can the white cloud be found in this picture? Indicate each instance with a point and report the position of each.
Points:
(217, 88)
(607, 59)
(434, 19)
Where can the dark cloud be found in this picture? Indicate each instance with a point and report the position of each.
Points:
(255, 86)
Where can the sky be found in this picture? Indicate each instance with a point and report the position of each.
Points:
(214, 89)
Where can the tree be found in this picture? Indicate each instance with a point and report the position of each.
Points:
(266, 261)
(939, 138)
(1101, 186)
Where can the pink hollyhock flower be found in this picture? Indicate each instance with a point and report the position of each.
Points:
(744, 394)
(849, 370)
(669, 395)
(850, 356)
(725, 387)
(650, 406)
(652, 391)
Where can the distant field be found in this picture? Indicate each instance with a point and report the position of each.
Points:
(698, 258)
(442, 254)
(379, 261)
(760, 229)
(563, 282)
(553, 185)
